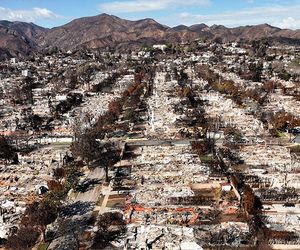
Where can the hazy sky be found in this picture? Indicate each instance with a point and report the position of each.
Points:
(50, 13)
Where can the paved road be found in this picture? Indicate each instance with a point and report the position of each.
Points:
(94, 190)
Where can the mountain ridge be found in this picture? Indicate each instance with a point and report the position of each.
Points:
(101, 31)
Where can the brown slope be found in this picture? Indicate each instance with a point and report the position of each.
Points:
(293, 34)
(106, 30)
(254, 32)
(198, 27)
(18, 38)
(83, 30)
(181, 28)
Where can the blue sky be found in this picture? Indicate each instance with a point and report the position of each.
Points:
(231, 13)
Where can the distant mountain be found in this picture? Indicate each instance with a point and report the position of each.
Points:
(18, 38)
(105, 30)
(198, 27)
(181, 28)
(244, 32)
(250, 33)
